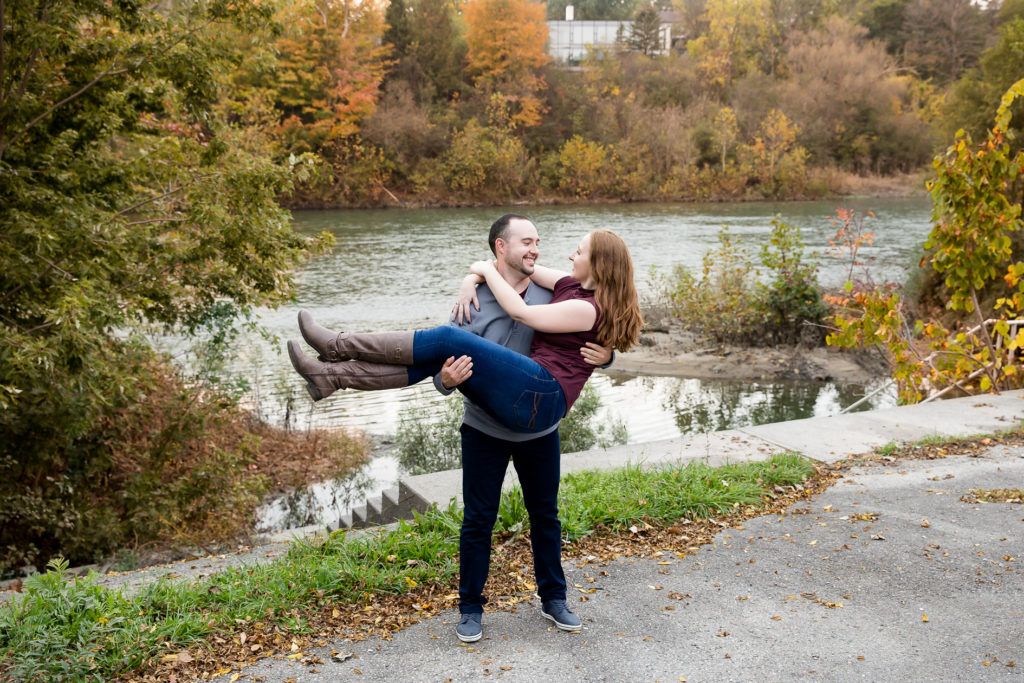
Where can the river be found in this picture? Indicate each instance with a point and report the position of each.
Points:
(396, 269)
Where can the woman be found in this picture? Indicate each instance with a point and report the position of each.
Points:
(596, 302)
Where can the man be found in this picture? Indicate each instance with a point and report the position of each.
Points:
(487, 445)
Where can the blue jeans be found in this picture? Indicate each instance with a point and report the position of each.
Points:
(515, 389)
(484, 461)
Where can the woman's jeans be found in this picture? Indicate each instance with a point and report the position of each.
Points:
(515, 389)
(484, 461)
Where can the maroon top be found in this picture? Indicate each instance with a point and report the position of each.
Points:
(559, 352)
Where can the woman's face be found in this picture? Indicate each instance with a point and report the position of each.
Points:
(581, 261)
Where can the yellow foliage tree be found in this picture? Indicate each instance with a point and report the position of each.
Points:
(738, 31)
(775, 158)
(505, 50)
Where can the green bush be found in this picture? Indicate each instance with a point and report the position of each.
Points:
(729, 303)
(722, 303)
(792, 297)
(428, 439)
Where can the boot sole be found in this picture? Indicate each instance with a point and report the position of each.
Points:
(293, 356)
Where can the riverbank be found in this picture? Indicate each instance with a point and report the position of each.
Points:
(667, 348)
(830, 184)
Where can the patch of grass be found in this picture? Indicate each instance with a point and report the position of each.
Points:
(889, 449)
(994, 496)
(376, 582)
(938, 446)
(621, 498)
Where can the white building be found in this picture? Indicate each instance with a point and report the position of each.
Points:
(568, 40)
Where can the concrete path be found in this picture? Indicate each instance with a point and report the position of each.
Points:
(886, 576)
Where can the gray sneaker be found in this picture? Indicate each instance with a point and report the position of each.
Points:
(469, 630)
(558, 612)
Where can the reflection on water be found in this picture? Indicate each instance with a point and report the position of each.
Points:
(325, 502)
(728, 405)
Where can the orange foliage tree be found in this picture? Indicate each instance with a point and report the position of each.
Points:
(505, 50)
(329, 70)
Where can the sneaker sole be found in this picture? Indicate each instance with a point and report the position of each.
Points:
(469, 639)
(564, 627)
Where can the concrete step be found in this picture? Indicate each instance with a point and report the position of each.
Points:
(359, 517)
(373, 512)
(396, 503)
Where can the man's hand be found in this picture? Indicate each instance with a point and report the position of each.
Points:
(467, 297)
(455, 372)
(595, 354)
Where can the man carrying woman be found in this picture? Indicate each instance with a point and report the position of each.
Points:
(596, 303)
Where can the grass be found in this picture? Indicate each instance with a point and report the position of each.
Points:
(76, 630)
(939, 445)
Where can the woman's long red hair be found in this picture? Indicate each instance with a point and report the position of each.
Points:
(611, 268)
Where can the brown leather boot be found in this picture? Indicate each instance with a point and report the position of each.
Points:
(323, 379)
(333, 347)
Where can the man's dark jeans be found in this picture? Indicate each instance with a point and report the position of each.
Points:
(484, 461)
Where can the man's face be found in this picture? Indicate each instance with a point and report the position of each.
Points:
(521, 250)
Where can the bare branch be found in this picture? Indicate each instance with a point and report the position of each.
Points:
(157, 220)
(166, 194)
(56, 267)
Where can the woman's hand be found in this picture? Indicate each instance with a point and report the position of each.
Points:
(481, 268)
(461, 313)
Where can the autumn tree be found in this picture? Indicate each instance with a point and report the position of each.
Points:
(775, 158)
(126, 202)
(977, 215)
(505, 41)
(726, 131)
(328, 73)
(980, 90)
(850, 102)
(738, 32)
(439, 47)
(885, 21)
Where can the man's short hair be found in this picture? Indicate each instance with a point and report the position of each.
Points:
(500, 229)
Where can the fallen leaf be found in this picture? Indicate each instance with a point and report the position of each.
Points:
(924, 618)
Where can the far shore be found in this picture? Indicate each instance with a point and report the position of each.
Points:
(848, 186)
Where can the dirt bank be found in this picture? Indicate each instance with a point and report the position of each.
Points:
(668, 349)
